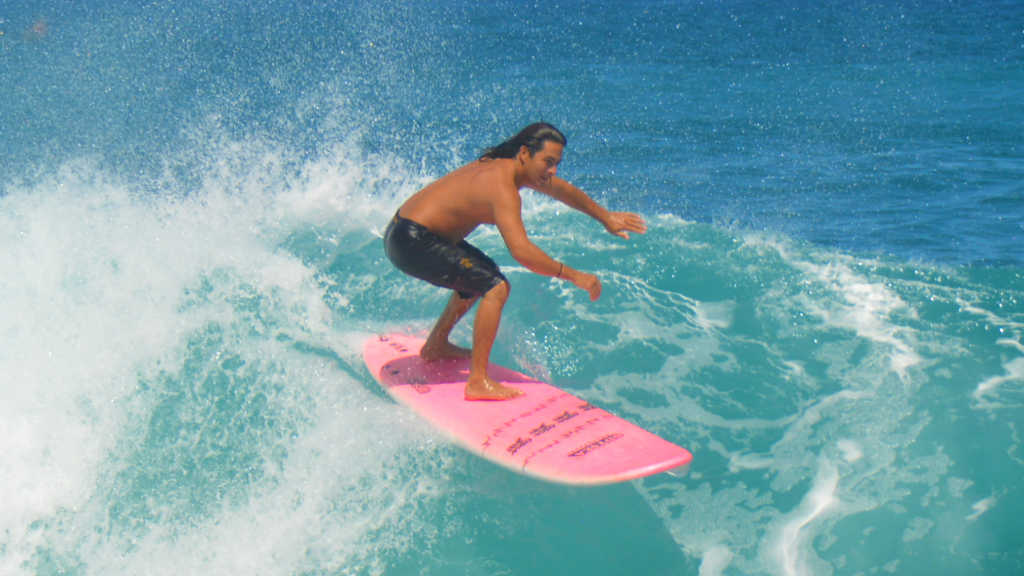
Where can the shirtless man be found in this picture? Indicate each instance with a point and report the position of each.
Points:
(426, 239)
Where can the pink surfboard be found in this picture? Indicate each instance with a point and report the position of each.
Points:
(546, 432)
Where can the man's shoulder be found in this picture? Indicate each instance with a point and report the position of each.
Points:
(493, 175)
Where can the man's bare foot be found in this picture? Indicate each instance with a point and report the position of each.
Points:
(444, 350)
(490, 390)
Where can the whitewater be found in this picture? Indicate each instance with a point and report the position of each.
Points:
(827, 309)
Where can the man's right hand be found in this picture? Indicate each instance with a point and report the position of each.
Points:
(587, 282)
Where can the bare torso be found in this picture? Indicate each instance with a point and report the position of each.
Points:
(456, 204)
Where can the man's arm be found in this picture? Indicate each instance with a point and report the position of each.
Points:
(509, 220)
(618, 223)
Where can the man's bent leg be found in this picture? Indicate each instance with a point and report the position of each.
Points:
(485, 330)
(437, 345)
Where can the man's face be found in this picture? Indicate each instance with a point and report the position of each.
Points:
(541, 166)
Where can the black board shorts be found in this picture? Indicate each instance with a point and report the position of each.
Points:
(422, 254)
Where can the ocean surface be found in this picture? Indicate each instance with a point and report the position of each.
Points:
(827, 310)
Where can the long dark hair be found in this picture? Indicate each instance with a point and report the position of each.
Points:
(533, 137)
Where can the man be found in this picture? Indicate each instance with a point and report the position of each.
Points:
(426, 239)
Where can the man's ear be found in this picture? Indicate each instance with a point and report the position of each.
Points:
(523, 154)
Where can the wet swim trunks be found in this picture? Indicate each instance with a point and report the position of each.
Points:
(420, 253)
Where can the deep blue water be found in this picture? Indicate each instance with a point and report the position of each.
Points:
(828, 309)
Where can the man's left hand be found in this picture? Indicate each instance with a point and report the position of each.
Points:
(622, 223)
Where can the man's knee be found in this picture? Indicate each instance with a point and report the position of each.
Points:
(500, 291)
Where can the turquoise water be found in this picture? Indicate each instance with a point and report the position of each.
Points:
(828, 309)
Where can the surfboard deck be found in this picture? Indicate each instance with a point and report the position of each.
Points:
(547, 432)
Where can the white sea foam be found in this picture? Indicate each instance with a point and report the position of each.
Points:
(89, 295)
(980, 507)
(868, 311)
(994, 320)
(792, 549)
(867, 307)
(1016, 344)
(1014, 372)
(850, 450)
(103, 285)
(917, 529)
(1013, 368)
(341, 498)
(715, 561)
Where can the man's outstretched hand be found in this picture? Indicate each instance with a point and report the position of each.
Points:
(622, 223)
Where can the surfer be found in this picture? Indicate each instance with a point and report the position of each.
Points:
(426, 239)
